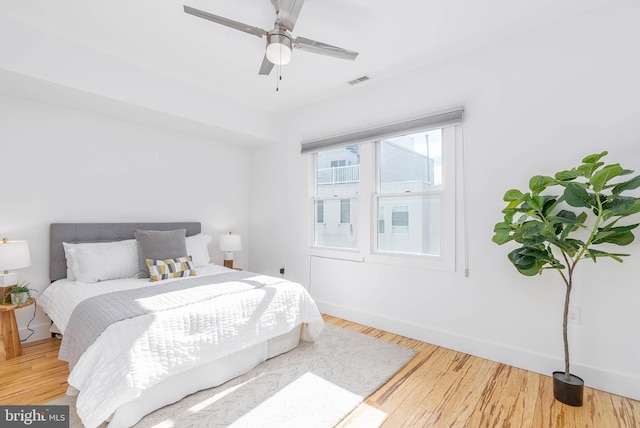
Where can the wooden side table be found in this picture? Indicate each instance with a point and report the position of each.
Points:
(10, 346)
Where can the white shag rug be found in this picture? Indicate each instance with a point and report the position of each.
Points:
(314, 385)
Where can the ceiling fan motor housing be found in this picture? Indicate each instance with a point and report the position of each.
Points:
(279, 46)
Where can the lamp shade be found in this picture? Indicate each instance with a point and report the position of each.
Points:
(14, 255)
(229, 242)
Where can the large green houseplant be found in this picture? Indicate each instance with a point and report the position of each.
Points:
(561, 220)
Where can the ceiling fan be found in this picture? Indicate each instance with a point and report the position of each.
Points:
(280, 42)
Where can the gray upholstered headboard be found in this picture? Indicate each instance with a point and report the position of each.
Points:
(99, 232)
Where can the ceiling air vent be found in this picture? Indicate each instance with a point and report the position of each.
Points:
(359, 80)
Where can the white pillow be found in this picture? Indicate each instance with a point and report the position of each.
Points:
(68, 255)
(198, 250)
(102, 261)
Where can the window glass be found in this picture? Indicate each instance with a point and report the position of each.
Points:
(400, 219)
(333, 232)
(411, 163)
(336, 204)
(345, 210)
(415, 224)
(338, 172)
(410, 181)
(407, 184)
(319, 211)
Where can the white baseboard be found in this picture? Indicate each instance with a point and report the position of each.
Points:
(594, 377)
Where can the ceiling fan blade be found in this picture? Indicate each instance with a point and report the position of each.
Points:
(266, 67)
(225, 21)
(323, 48)
(287, 12)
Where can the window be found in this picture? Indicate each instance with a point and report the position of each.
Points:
(337, 186)
(400, 219)
(320, 212)
(345, 210)
(409, 171)
(389, 194)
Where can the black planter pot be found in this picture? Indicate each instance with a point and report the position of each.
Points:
(568, 392)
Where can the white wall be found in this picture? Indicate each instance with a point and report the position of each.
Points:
(536, 104)
(63, 165)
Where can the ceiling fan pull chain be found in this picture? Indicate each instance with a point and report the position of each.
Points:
(278, 78)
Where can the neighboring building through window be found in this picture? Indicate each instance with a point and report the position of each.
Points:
(320, 212)
(345, 210)
(409, 171)
(337, 189)
(400, 219)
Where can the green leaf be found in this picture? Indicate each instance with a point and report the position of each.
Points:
(594, 157)
(538, 183)
(526, 265)
(531, 228)
(568, 175)
(536, 203)
(618, 237)
(513, 195)
(569, 246)
(567, 217)
(549, 203)
(577, 196)
(593, 254)
(588, 168)
(601, 178)
(634, 183)
(619, 228)
(621, 205)
(502, 233)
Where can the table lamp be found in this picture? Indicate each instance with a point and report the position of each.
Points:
(13, 255)
(229, 243)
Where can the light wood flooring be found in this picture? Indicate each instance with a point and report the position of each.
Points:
(438, 388)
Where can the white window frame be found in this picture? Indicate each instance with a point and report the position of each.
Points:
(366, 250)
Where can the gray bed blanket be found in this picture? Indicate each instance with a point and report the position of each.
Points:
(93, 315)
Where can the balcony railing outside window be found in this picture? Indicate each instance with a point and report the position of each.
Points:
(339, 175)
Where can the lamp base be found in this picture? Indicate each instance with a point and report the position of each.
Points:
(228, 263)
(8, 279)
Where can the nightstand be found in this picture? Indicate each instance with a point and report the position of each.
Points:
(10, 346)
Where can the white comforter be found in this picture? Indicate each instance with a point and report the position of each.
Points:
(134, 354)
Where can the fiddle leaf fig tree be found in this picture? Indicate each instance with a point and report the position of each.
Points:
(573, 216)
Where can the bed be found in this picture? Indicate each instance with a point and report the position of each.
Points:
(137, 344)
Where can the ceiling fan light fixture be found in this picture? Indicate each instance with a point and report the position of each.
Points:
(278, 49)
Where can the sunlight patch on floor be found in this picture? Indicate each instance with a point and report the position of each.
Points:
(209, 401)
(169, 423)
(309, 390)
(366, 416)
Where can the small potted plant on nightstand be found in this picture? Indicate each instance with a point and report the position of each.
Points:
(18, 295)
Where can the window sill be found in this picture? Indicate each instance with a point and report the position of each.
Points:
(391, 259)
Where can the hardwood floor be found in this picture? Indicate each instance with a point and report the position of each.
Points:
(438, 388)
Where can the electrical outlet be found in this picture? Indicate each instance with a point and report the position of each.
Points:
(574, 314)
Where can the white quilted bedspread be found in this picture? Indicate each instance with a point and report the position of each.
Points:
(134, 354)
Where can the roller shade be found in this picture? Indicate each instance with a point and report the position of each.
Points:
(438, 120)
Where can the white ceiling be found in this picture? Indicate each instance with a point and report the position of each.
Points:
(391, 36)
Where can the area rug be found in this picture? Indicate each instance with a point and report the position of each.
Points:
(315, 385)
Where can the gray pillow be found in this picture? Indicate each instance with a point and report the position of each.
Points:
(159, 245)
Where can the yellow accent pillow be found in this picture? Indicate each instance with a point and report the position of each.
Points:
(170, 268)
